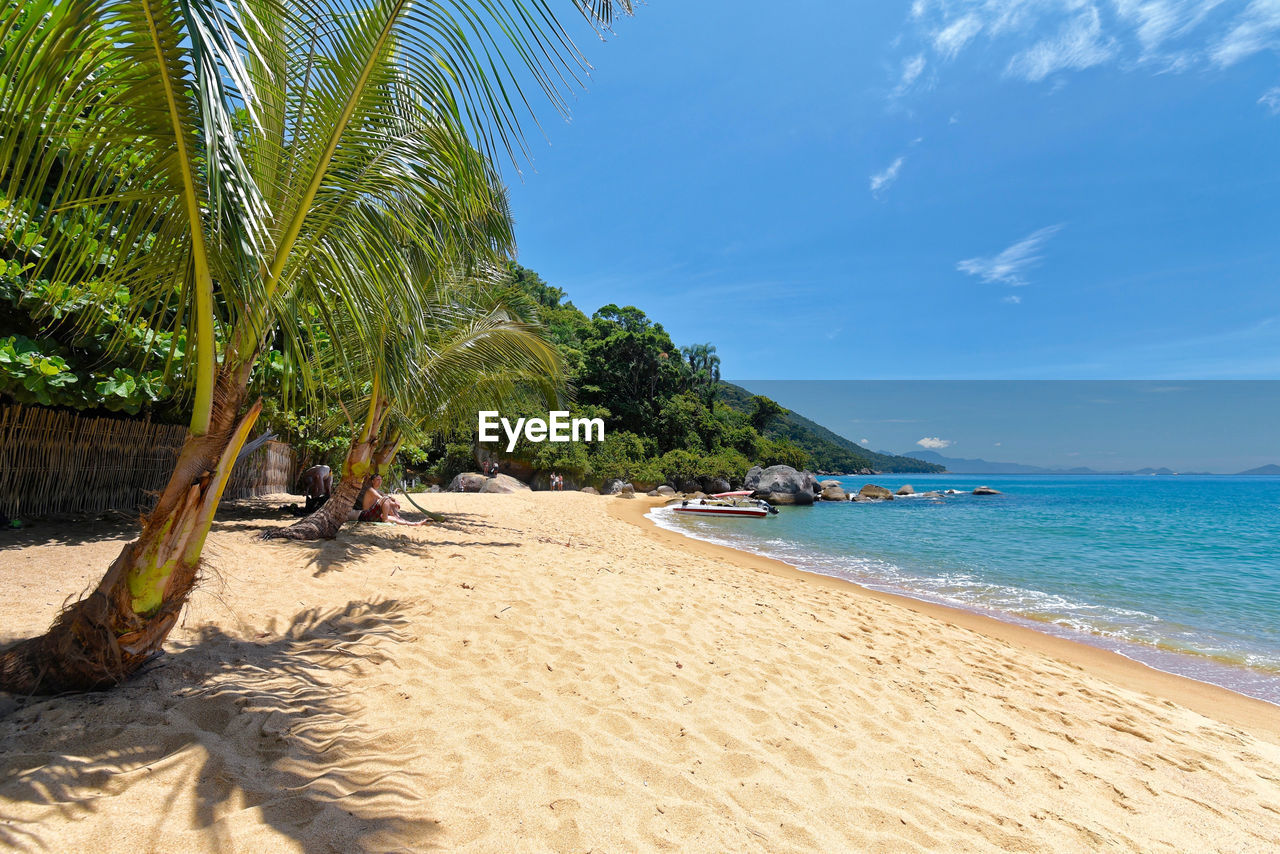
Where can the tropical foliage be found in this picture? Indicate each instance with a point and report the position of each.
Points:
(669, 417)
(239, 175)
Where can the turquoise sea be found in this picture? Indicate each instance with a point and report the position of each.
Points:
(1181, 573)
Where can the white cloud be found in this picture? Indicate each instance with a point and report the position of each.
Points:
(933, 443)
(864, 441)
(1014, 299)
(1080, 44)
(1010, 265)
(1257, 29)
(912, 68)
(952, 38)
(884, 180)
(1271, 100)
(1038, 39)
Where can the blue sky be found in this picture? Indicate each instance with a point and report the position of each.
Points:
(1216, 426)
(969, 189)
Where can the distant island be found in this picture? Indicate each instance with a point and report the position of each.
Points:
(959, 465)
(1270, 468)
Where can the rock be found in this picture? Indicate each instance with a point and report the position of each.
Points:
(752, 480)
(435, 487)
(826, 483)
(616, 487)
(871, 492)
(503, 484)
(714, 485)
(834, 493)
(645, 486)
(933, 493)
(666, 490)
(590, 490)
(690, 486)
(799, 499)
(470, 481)
(986, 490)
(631, 494)
(783, 479)
(952, 492)
(697, 494)
(653, 493)
(906, 489)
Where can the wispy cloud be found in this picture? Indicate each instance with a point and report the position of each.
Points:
(952, 38)
(1013, 299)
(883, 180)
(1009, 267)
(1256, 29)
(1271, 100)
(864, 441)
(1078, 45)
(933, 443)
(912, 68)
(1037, 39)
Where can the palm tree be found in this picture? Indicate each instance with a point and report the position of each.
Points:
(260, 164)
(704, 371)
(477, 351)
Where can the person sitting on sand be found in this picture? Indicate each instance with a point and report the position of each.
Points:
(317, 484)
(376, 507)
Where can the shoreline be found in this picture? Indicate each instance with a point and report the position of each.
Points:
(1258, 717)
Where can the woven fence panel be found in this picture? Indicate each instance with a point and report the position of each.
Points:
(270, 469)
(61, 462)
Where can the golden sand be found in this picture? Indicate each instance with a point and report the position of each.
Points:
(549, 672)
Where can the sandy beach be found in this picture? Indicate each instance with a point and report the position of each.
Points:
(549, 671)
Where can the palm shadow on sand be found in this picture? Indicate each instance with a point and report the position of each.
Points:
(254, 724)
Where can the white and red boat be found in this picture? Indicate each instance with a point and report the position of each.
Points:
(726, 504)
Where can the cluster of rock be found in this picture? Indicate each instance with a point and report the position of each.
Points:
(779, 485)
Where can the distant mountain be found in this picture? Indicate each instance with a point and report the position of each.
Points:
(958, 465)
(828, 451)
(1271, 468)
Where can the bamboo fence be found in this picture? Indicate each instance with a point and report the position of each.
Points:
(54, 462)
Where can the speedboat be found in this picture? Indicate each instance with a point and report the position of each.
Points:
(727, 504)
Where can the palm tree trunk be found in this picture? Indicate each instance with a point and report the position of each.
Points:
(362, 463)
(325, 522)
(106, 636)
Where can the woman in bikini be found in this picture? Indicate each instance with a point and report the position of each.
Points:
(376, 507)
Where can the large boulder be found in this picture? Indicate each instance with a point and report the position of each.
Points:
(783, 479)
(689, 486)
(752, 480)
(714, 485)
(785, 485)
(986, 490)
(666, 490)
(502, 484)
(906, 489)
(825, 483)
(834, 492)
(617, 487)
(871, 492)
(590, 490)
(468, 481)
